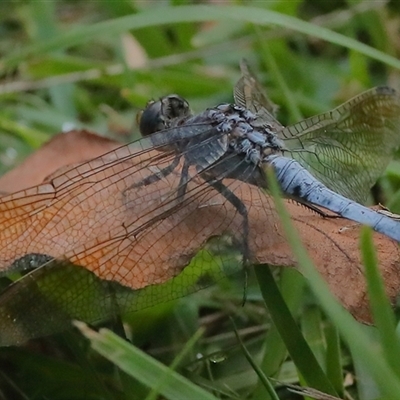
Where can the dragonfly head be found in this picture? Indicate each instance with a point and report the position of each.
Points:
(159, 114)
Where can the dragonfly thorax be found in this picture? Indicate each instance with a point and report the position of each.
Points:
(245, 135)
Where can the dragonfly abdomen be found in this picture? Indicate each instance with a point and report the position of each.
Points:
(296, 182)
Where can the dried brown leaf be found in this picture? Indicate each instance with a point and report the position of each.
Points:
(63, 149)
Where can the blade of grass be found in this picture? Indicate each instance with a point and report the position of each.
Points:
(334, 369)
(264, 379)
(33, 137)
(311, 326)
(277, 76)
(296, 345)
(192, 13)
(178, 359)
(292, 289)
(275, 355)
(143, 367)
(380, 305)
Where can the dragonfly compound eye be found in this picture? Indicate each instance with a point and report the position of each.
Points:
(158, 115)
(151, 120)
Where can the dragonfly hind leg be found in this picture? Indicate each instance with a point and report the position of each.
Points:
(115, 310)
(241, 208)
(316, 209)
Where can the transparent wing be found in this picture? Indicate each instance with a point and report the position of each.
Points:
(249, 94)
(125, 230)
(349, 147)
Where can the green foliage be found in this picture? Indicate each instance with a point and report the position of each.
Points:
(70, 64)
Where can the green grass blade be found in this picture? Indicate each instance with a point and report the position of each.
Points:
(263, 378)
(155, 391)
(311, 327)
(291, 284)
(380, 306)
(33, 137)
(142, 367)
(192, 13)
(334, 368)
(277, 76)
(297, 347)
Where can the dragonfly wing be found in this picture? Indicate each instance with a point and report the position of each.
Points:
(349, 147)
(125, 230)
(250, 94)
(90, 193)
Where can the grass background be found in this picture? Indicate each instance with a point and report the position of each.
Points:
(69, 64)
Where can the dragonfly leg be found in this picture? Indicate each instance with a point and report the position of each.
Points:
(317, 210)
(157, 176)
(116, 321)
(241, 208)
(183, 181)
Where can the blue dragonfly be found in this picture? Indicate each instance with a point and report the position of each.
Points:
(93, 232)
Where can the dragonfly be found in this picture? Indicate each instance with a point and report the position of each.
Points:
(95, 231)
